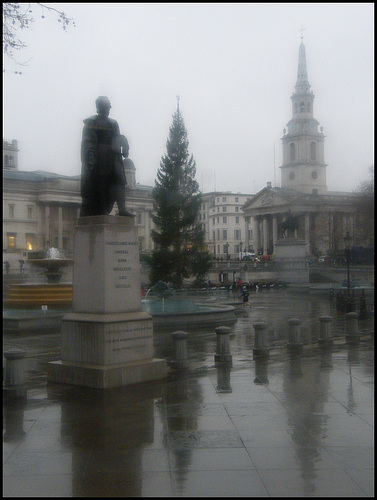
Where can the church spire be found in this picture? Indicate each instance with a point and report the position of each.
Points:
(302, 84)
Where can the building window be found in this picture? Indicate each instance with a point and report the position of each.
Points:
(224, 220)
(225, 234)
(236, 199)
(237, 209)
(237, 234)
(314, 174)
(313, 151)
(218, 234)
(214, 235)
(292, 151)
(302, 107)
(29, 212)
(237, 219)
(139, 218)
(250, 234)
(224, 199)
(11, 211)
(11, 237)
(224, 209)
(218, 220)
(30, 238)
(291, 176)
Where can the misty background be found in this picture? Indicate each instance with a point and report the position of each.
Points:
(234, 67)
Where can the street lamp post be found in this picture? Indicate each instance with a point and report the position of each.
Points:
(347, 250)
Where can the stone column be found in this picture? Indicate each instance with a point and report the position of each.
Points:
(325, 338)
(60, 227)
(294, 343)
(260, 347)
(256, 238)
(180, 339)
(274, 231)
(265, 235)
(247, 241)
(14, 373)
(223, 348)
(47, 226)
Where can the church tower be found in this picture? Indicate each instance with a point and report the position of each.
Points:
(303, 168)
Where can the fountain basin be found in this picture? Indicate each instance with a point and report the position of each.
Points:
(52, 267)
(169, 315)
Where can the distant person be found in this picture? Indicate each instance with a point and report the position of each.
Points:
(245, 298)
(103, 179)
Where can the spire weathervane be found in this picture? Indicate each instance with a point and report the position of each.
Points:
(302, 33)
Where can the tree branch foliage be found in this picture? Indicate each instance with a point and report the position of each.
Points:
(178, 235)
(19, 16)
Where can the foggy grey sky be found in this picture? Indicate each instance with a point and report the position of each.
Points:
(234, 67)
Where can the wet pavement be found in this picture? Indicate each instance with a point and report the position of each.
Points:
(291, 425)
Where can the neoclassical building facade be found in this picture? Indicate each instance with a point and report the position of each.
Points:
(40, 210)
(324, 217)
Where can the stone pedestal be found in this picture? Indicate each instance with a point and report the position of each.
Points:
(291, 262)
(107, 341)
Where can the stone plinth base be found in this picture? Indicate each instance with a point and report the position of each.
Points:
(107, 341)
(291, 262)
(104, 377)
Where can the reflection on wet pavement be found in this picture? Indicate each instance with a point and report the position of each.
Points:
(290, 425)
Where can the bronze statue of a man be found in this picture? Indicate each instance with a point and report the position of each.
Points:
(103, 179)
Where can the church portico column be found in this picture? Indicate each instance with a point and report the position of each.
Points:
(265, 235)
(274, 231)
(256, 238)
(247, 241)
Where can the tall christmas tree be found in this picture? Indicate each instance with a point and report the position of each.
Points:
(178, 235)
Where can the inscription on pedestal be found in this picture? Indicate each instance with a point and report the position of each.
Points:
(121, 339)
(108, 277)
(123, 255)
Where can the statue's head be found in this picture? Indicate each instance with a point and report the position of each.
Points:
(103, 105)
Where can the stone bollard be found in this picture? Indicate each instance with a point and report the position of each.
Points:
(352, 328)
(14, 373)
(260, 347)
(180, 339)
(294, 336)
(223, 348)
(325, 338)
